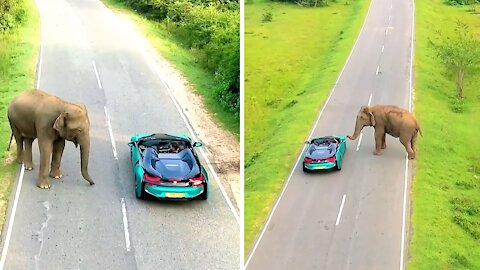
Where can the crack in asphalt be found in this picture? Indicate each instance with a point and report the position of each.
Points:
(40, 238)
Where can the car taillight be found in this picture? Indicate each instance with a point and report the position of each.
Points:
(196, 181)
(332, 159)
(150, 178)
(308, 160)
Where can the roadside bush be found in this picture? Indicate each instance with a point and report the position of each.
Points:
(211, 29)
(462, 2)
(11, 14)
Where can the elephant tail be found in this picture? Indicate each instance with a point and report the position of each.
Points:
(418, 129)
(10, 143)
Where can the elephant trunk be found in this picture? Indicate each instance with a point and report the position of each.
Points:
(84, 153)
(358, 129)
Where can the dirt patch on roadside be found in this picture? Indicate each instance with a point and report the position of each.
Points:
(222, 148)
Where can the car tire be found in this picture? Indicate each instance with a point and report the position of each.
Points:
(142, 194)
(204, 194)
(305, 169)
(338, 168)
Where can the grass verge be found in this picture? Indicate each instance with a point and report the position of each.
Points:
(18, 56)
(183, 60)
(446, 188)
(291, 64)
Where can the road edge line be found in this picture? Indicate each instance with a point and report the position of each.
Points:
(309, 136)
(6, 243)
(410, 109)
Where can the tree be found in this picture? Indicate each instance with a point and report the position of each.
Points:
(460, 53)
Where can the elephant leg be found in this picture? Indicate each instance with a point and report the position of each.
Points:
(379, 134)
(19, 142)
(45, 146)
(57, 153)
(414, 144)
(408, 146)
(384, 144)
(28, 154)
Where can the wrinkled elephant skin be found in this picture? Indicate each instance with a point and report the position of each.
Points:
(35, 114)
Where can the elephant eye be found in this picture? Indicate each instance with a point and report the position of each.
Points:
(79, 129)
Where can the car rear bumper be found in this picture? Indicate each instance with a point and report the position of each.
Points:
(319, 166)
(173, 192)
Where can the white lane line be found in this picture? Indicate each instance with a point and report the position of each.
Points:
(125, 225)
(389, 17)
(359, 141)
(111, 133)
(96, 74)
(370, 99)
(341, 209)
(39, 66)
(378, 68)
(386, 31)
(12, 218)
(410, 108)
(383, 48)
(303, 149)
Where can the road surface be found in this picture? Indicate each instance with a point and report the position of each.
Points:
(352, 219)
(88, 56)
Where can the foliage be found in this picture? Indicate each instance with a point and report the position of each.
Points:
(460, 53)
(445, 202)
(462, 2)
(309, 3)
(267, 16)
(211, 29)
(12, 14)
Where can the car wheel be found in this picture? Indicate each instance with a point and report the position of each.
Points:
(305, 169)
(142, 193)
(204, 194)
(338, 168)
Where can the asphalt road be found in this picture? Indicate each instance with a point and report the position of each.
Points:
(310, 227)
(88, 57)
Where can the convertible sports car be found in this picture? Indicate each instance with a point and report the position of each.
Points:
(166, 166)
(324, 153)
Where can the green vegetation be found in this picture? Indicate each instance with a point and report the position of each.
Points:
(19, 44)
(446, 188)
(291, 64)
(202, 39)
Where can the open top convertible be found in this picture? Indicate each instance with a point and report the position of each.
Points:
(324, 153)
(167, 167)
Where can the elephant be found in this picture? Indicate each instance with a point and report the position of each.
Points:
(34, 114)
(390, 119)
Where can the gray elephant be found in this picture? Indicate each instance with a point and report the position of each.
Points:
(388, 119)
(36, 114)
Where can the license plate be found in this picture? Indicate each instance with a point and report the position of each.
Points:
(174, 195)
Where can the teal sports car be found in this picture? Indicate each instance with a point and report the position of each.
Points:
(324, 153)
(166, 166)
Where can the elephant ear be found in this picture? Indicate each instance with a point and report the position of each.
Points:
(368, 111)
(60, 124)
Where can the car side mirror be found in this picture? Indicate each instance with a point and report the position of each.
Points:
(130, 144)
(307, 142)
(197, 144)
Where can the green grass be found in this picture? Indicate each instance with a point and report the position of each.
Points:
(18, 56)
(291, 64)
(446, 188)
(184, 61)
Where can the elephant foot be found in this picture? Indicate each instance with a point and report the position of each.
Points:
(384, 146)
(377, 153)
(43, 184)
(57, 174)
(411, 156)
(28, 166)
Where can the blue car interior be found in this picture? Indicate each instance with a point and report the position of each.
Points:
(181, 165)
(322, 151)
